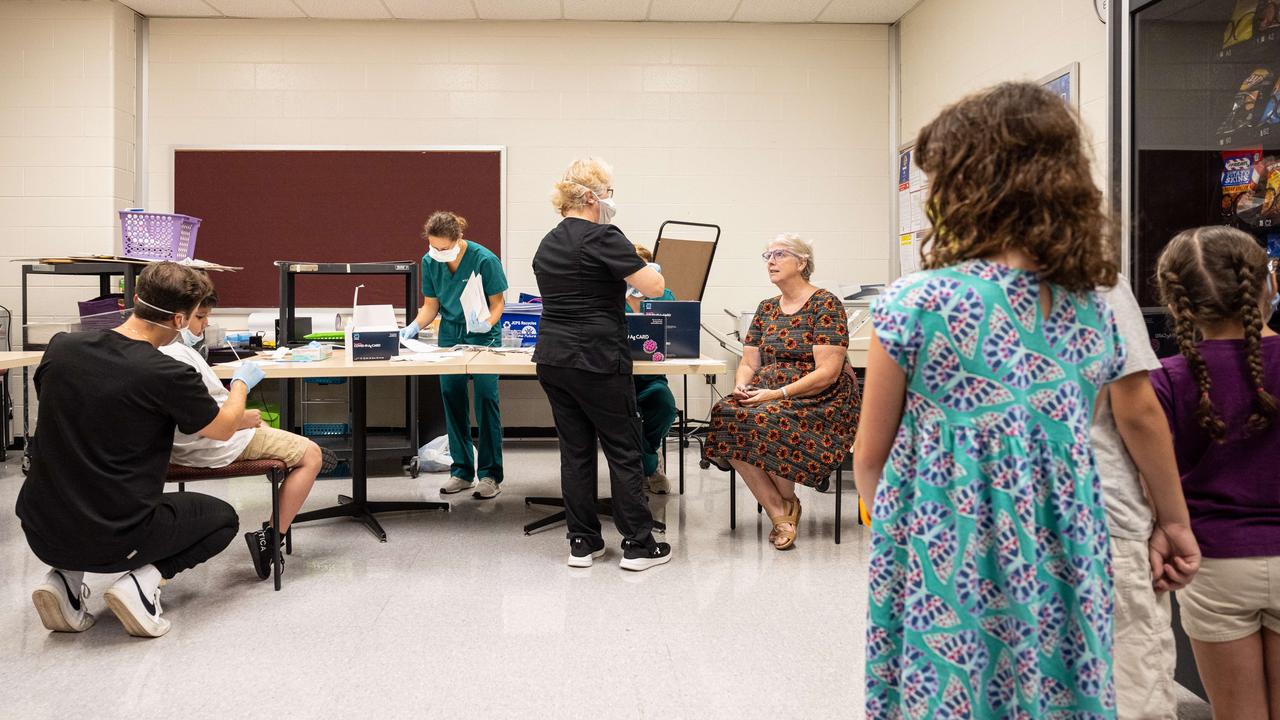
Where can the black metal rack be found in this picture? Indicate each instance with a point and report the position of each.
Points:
(363, 445)
(104, 270)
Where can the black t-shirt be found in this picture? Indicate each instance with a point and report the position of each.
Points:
(580, 267)
(108, 408)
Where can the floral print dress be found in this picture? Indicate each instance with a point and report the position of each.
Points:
(802, 439)
(990, 577)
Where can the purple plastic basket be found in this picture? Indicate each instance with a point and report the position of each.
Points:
(158, 236)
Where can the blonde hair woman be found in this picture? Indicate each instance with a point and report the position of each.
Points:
(795, 400)
(583, 267)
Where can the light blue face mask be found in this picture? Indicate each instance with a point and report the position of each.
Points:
(189, 338)
(183, 331)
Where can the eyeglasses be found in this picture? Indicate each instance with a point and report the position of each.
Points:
(608, 193)
(769, 255)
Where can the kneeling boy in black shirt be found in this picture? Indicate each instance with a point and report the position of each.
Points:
(94, 500)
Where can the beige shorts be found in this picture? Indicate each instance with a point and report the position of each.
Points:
(270, 443)
(1232, 598)
(1145, 654)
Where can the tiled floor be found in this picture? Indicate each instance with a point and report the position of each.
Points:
(460, 615)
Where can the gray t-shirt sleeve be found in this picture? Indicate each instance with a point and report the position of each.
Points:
(1139, 356)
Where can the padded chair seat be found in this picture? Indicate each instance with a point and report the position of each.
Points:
(182, 473)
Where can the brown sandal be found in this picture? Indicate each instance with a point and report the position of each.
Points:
(787, 537)
(773, 534)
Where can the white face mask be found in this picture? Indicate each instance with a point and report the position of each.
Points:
(607, 210)
(444, 256)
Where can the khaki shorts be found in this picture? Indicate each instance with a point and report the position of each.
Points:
(269, 443)
(1145, 654)
(1232, 598)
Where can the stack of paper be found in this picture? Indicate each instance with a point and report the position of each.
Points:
(527, 308)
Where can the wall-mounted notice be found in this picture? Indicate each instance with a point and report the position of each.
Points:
(913, 222)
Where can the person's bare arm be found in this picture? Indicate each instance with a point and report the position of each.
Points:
(430, 308)
(1142, 425)
(883, 397)
(497, 303)
(747, 368)
(828, 362)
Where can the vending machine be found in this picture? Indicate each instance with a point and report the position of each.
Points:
(1195, 140)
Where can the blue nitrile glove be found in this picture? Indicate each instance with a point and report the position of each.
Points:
(250, 373)
(479, 324)
(410, 331)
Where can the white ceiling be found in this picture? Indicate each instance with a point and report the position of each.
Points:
(787, 11)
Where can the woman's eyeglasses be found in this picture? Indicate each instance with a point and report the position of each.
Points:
(769, 255)
(608, 193)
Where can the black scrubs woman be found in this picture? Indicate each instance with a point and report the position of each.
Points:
(584, 365)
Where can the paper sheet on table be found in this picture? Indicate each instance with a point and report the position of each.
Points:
(474, 304)
(427, 357)
(418, 346)
(238, 363)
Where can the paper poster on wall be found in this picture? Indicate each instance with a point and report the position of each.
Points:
(913, 221)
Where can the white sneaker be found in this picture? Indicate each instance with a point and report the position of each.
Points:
(658, 483)
(456, 485)
(486, 489)
(61, 608)
(137, 609)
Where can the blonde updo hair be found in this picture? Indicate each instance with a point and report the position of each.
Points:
(800, 247)
(444, 224)
(585, 176)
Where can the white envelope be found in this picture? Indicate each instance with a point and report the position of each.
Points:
(474, 303)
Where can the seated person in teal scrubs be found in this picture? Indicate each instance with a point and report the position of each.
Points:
(653, 397)
(448, 265)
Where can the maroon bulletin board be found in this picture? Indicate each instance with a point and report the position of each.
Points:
(259, 206)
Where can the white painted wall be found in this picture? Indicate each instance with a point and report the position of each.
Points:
(760, 128)
(952, 47)
(66, 141)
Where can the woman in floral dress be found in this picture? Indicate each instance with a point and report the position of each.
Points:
(990, 579)
(794, 407)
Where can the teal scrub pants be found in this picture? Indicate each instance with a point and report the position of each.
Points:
(657, 412)
(457, 421)
(457, 418)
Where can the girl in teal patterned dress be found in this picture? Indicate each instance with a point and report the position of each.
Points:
(990, 581)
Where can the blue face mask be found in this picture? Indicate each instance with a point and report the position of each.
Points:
(189, 338)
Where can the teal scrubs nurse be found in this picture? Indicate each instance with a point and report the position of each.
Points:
(446, 268)
(656, 403)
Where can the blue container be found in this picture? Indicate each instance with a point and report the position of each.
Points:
(525, 325)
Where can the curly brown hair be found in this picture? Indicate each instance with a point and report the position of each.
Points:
(1008, 171)
(1209, 274)
(445, 224)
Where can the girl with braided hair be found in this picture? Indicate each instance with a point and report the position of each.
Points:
(1219, 396)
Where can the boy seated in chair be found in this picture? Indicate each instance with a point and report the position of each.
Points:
(253, 440)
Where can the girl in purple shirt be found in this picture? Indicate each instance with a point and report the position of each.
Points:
(1219, 394)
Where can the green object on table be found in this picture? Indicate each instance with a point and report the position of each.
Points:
(270, 412)
(332, 336)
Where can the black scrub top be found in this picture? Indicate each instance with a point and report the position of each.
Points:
(580, 267)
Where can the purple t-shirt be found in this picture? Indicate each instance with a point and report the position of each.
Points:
(1233, 487)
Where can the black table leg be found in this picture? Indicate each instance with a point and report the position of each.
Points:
(683, 428)
(604, 506)
(357, 506)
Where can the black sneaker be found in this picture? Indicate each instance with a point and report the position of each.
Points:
(582, 552)
(260, 551)
(637, 557)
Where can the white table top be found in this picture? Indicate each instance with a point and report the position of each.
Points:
(491, 363)
(469, 362)
(10, 359)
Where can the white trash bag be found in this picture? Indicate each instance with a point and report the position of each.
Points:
(434, 456)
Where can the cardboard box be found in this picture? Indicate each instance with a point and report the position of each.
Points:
(684, 325)
(525, 325)
(647, 335)
(373, 334)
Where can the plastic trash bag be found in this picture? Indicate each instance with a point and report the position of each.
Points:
(434, 456)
